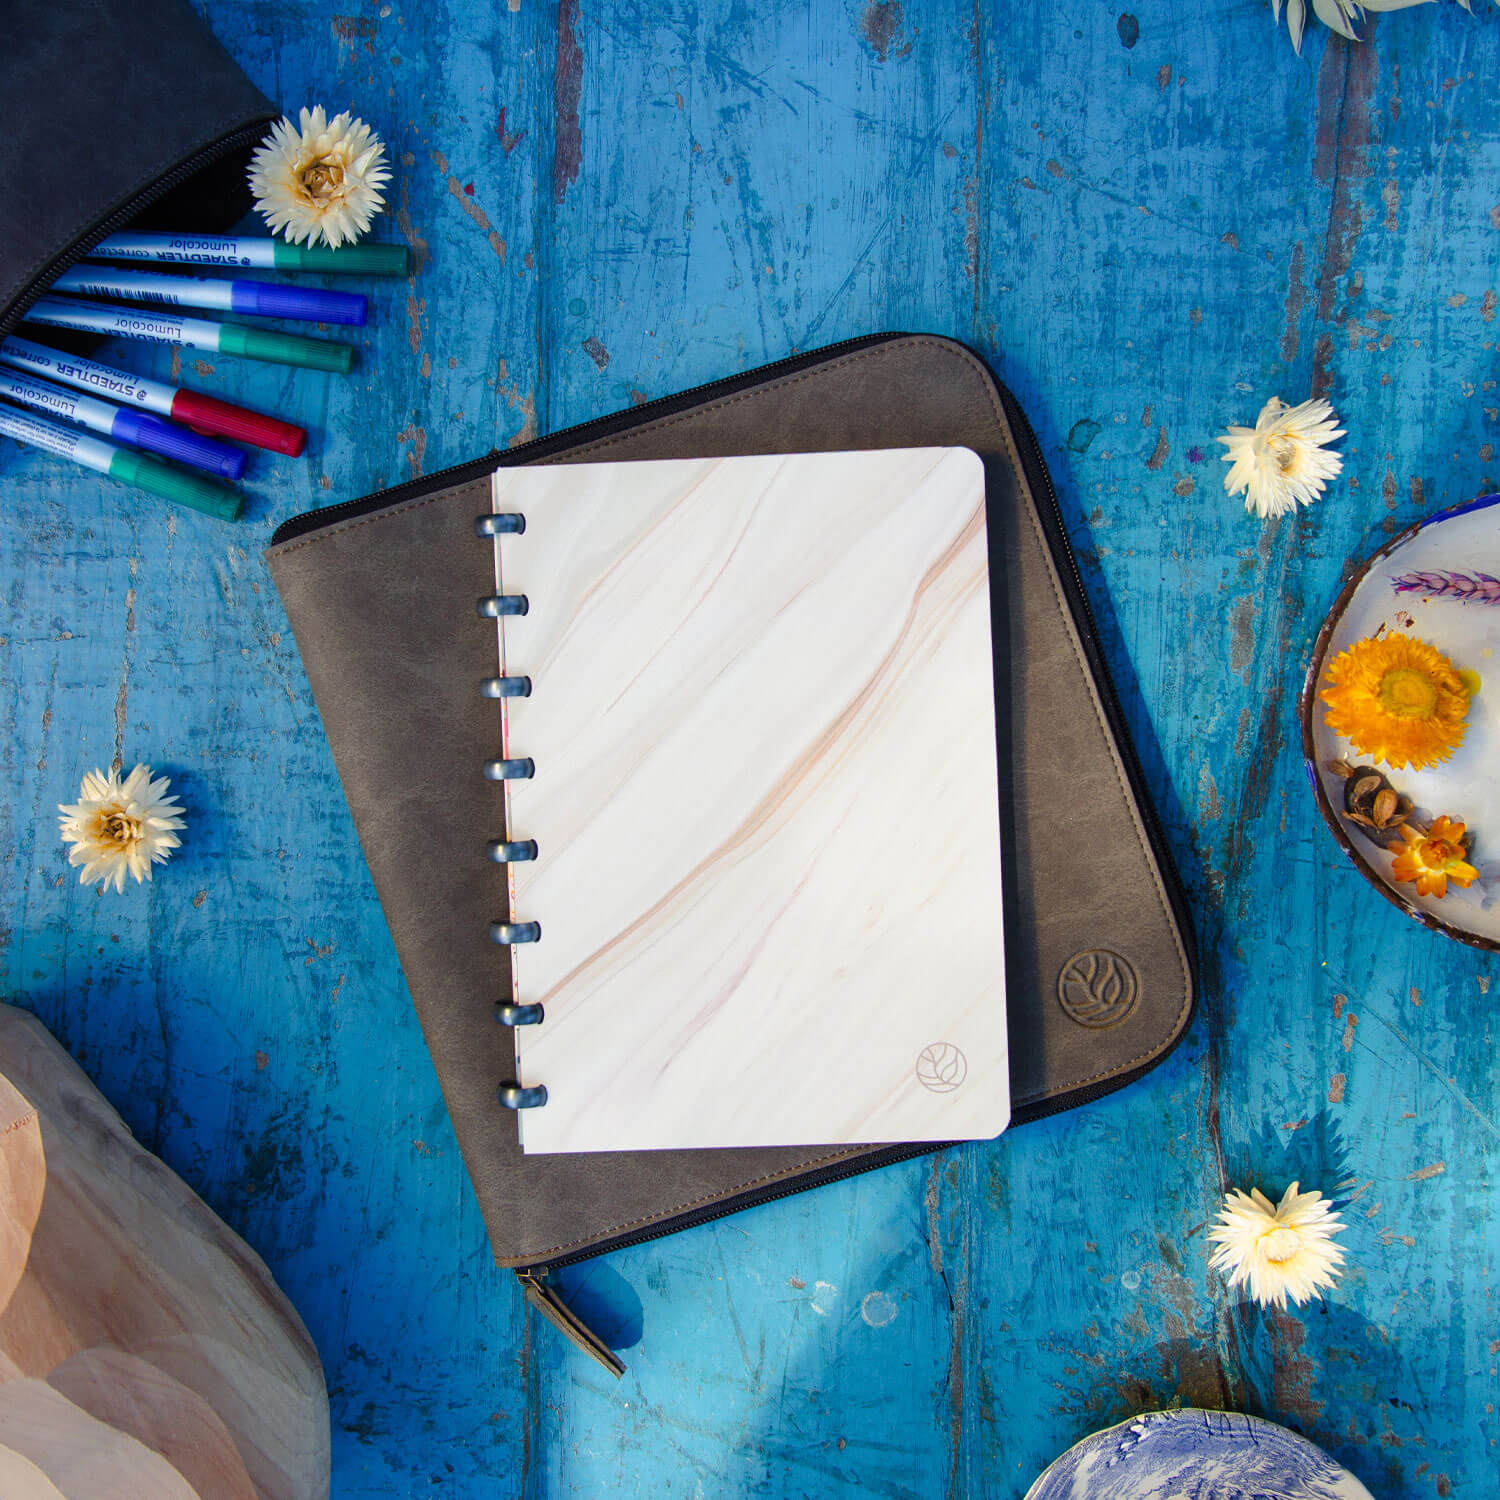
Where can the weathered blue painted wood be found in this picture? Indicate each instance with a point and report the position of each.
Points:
(1149, 224)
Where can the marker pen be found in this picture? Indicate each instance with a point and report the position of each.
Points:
(197, 333)
(191, 408)
(119, 463)
(256, 253)
(263, 299)
(136, 429)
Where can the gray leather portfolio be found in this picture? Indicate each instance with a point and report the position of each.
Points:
(381, 593)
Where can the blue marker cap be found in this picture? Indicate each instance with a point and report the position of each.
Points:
(143, 430)
(310, 304)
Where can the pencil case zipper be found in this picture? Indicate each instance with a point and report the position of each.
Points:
(159, 187)
(622, 421)
(541, 1292)
(537, 1278)
(1034, 466)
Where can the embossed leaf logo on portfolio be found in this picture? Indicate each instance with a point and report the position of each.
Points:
(1097, 988)
(941, 1067)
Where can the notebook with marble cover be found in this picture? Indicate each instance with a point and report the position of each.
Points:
(752, 826)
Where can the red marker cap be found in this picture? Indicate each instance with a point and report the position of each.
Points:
(220, 419)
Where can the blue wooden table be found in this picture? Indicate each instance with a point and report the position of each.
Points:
(1148, 224)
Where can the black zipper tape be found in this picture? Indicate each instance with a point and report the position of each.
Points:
(557, 442)
(159, 187)
(1035, 468)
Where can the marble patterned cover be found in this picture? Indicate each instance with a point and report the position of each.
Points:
(769, 877)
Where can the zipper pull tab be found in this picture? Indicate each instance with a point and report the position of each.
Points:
(541, 1295)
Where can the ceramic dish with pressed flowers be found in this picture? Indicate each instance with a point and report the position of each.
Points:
(1401, 721)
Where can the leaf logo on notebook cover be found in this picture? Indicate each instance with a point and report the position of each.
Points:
(1097, 988)
(941, 1067)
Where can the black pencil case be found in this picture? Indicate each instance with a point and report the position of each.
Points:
(119, 113)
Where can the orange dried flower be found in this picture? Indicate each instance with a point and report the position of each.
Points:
(1433, 858)
(1398, 700)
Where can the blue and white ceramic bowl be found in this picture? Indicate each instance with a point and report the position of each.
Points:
(1204, 1455)
(1467, 786)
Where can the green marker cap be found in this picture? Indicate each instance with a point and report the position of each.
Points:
(176, 484)
(357, 260)
(286, 348)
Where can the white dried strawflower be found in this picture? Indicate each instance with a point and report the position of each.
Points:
(1282, 1251)
(117, 827)
(1339, 15)
(1281, 462)
(321, 182)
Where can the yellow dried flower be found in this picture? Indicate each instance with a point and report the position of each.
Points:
(1398, 700)
(1434, 858)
